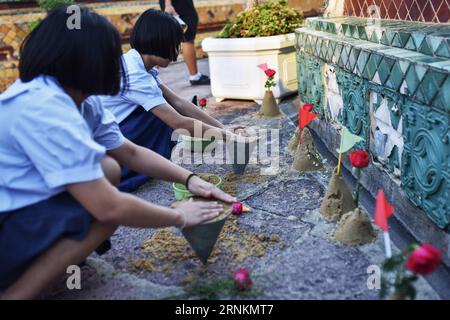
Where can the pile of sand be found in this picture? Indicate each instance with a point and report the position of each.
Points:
(269, 107)
(338, 200)
(354, 228)
(293, 143)
(306, 156)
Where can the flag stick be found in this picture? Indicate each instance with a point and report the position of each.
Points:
(387, 244)
(339, 164)
(340, 154)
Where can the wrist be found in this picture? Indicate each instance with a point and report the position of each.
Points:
(180, 219)
(189, 179)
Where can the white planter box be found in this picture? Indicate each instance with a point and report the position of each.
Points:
(233, 66)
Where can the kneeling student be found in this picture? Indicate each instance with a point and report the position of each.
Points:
(59, 158)
(148, 110)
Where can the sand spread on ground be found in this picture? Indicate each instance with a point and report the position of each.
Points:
(260, 115)
(209, 178)
(165, 249)
(230, 181)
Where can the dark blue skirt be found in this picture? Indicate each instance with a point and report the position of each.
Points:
(27, 232)
(145, 129)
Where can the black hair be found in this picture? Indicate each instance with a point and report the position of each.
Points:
(86, 59)
(157, 33)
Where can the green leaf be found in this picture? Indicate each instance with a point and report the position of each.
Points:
(392, 263)
(33, 24)
(406, 288)
(52, 4)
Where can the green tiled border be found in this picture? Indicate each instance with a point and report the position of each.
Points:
(418, 76)
(429, 39)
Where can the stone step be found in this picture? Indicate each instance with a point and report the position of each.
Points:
(419, 76)
(429, 39)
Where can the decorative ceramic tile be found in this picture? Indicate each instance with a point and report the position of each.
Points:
(386, 129)
(355, 114)
(335, 103)
(310, 84)
(426, 158)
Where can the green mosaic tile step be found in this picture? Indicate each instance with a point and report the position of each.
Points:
(423, 78)
(429, 39)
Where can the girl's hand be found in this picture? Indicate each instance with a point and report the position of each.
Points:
(200, 187)
(195, 212)
(239, 129)
(171, 10)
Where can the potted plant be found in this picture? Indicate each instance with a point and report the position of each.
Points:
(263, 33)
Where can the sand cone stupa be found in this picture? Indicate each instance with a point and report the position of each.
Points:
(203, 237)
(269, 107)
(354, 228)
(293, 143)
(338, 200)
(240, 151)
(306, 157)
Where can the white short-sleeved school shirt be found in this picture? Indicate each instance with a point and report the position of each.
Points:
(142, 88)
(47, 142)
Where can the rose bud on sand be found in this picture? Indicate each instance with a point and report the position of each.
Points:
(242, 279)
(237, 208)
(202, 102)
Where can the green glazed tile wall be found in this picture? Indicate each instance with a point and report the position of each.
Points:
(413, 74)
(405, 70)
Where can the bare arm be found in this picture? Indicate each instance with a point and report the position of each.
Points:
(151, 164)
(148, 162)
(187, 108)
(175, 120)
(108, 205)
(169, 8)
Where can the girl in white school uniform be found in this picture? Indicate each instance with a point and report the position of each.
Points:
(59, 158)
(147, 110)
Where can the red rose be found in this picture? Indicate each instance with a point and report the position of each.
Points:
(242, 279)
(270, 72)
(237, 208)
(359, 158)
(308, 107)
(424, 259)
(202, 102)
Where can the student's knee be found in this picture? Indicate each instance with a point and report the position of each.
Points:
(111, 169)
(106, 229)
